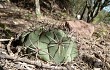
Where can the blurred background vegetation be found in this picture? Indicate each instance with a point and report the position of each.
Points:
(89, 10)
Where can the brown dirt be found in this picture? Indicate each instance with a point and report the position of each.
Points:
(94, 52)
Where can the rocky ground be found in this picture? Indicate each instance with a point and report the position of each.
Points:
(93, 47)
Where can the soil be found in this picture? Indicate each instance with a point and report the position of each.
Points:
(94, 52)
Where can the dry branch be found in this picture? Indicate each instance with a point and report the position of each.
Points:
(37, 62)
(8, 47)
(4, 40)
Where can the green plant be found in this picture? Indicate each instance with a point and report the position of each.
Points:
(53, 45)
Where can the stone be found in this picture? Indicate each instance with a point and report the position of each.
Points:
(80, 27)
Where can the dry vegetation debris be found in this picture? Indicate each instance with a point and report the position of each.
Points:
(94, 52)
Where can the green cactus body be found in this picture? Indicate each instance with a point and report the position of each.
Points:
(54, 45)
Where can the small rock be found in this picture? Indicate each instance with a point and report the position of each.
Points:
(1, 6)
(80, 27)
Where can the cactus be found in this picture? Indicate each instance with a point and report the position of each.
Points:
(54, 45)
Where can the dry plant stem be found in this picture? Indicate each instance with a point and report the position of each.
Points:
(4, 40)
(8, 47)
(37, 63)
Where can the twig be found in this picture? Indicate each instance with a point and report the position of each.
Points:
(4, 40)
(8, 47)
(37, 62)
